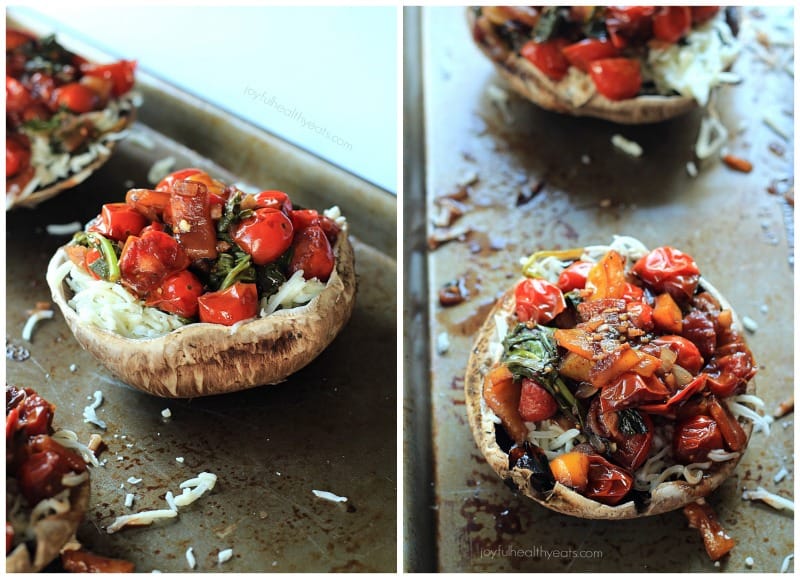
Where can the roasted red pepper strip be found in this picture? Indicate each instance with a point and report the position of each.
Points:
(703, 518)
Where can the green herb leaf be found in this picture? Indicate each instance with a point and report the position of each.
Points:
(532, 352)
(630, 422)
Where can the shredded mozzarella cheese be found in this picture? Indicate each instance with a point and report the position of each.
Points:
(33, 319)
(329, 496)
(90, 412)
(190, 560)
(68, 439)
(777, 502)
(696, 65)
(225, 555)
(140, 519)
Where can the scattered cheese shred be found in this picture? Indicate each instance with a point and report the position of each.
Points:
(786, 561)
(64, 228)
(777, 502)
(160, 169)
(190, 558)
(133, 480)
(225, 555)
(90, 412)
(129, 500)
(627, 146)
(328, 496)
(36, 317)
(138, 519)
(166, 413)
(195, 488)
(68, 439)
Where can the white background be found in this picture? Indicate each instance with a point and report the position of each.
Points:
(334, 67)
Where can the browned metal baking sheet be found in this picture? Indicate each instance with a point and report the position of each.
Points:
(330, 427)
(538, 180)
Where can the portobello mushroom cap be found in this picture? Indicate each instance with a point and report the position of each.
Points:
(201, 359)
(667, 496)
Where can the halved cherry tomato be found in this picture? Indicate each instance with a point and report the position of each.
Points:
(302, 218)
(688, 355)
(669, 408)
(695, 437)
(632, 293)
(312, 253)
(18, 155)
(582, 53)
(177, 294)
(535, 402)
(265, 236)
(666, 269)
(76, 97)
(121, 74)
(574, 276)
(39, 476)
(18, 98)
(16, 38)
(234, 304)
(671, 23)
(628, 25)
(616, 78)
(699, 328)
(547, 57)
(631, 390)
(538, 300)
(118, 220)
(608, 483)
(166, 183)
(45, 443)
(702, 14)
(274, 200)
(100, 86)
(729, 374)
(35, 415)
(146, 260)
(191, 216)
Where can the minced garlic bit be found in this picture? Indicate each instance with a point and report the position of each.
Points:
(627, 146)
(328, 496)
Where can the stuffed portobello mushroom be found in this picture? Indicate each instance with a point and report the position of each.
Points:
(612, 382)
(196, 288)
(626, 64)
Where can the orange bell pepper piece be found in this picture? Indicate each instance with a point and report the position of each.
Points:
(502, 396)
(575, 340)
(667, 315)
(571, 470)
(703, 518)
(613, 365)
(607, 277)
